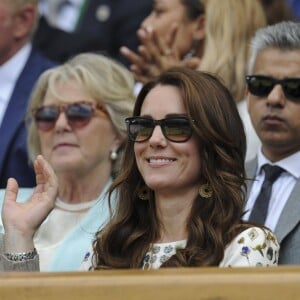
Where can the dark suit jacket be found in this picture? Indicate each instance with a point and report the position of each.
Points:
(95, 33)
(287, 229)
(13, 151)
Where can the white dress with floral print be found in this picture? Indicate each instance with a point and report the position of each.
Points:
(252, 247)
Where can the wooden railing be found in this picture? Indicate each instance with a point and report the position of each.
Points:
(167, 284)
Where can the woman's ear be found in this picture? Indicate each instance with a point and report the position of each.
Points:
(199, 33)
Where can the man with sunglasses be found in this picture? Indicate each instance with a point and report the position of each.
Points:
(274, 107)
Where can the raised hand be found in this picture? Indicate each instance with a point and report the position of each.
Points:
(21, 220)
(155, 54)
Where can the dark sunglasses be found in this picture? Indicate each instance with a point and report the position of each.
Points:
(78, 114)
(175, 129)
(262, 86)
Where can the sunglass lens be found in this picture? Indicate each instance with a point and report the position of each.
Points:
(79, 114)
(260, 86)
(291, 88)
(45, 117)
(177, 129)
(139, 129)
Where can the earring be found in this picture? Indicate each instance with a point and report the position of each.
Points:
(113, 155)
(144, 193)
(205, 190)
(191, 53)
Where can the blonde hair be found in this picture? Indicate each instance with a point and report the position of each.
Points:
(105, 80)
(229, 27)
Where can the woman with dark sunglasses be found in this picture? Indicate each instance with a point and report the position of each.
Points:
(75, 120)
(181, 186)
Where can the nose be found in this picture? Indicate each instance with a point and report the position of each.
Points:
(61, 123)
(157, 138)
(147, 22)
(276, 97)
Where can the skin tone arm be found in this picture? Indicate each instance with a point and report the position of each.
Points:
(21, 220)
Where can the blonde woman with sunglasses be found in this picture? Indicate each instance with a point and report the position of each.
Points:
(75, 120)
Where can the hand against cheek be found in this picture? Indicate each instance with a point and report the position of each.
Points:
(21, 220)
(155, 55)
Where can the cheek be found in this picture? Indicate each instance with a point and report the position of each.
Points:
(136, 150)
(44, 141)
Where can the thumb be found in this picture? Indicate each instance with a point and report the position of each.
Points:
(11, 191)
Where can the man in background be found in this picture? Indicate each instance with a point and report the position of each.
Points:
(20, 66)
(274, 108)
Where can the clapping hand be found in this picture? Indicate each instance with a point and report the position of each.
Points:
(21, 220)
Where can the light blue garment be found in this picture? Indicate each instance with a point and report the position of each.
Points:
(71, 252)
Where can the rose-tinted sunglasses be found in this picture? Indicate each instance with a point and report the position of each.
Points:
(78, 114)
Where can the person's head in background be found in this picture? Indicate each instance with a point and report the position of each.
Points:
(229, 27)
(277, 11)
(78, 110)
(18, 19)
(274, 89)
(199, 144)
(216, 32)
(189, 19)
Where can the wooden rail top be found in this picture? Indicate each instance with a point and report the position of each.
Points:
(171, 284)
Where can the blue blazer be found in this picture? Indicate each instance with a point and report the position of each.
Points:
(14, 160)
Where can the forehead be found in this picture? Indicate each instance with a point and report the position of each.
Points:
(163, 100)
(67, 92)
(168, 3)
(278, 63)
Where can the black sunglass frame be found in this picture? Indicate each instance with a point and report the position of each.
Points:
(266, 90)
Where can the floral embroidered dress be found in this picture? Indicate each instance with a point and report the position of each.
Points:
(252, 247)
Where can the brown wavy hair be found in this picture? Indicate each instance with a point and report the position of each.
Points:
(213, 222)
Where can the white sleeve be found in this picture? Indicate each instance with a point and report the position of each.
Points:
(253, 247)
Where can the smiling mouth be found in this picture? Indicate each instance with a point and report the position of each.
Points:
(160, 160)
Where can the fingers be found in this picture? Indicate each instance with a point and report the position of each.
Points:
(45, 176)
(11, 191)
(192, 63)
(131, 56)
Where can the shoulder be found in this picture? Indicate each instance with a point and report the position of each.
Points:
(252, 247)
(36, 57)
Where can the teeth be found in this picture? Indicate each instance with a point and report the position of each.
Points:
(160, 160)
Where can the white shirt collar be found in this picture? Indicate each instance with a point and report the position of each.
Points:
(291, 163)
(9, 74)
(10, 70)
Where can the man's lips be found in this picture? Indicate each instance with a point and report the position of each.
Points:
(272, 120)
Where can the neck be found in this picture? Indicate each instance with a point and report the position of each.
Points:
(78, 189)
(275, 154)
(5, 56)
(173, 213)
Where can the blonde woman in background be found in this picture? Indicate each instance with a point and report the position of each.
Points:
(78, 112)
